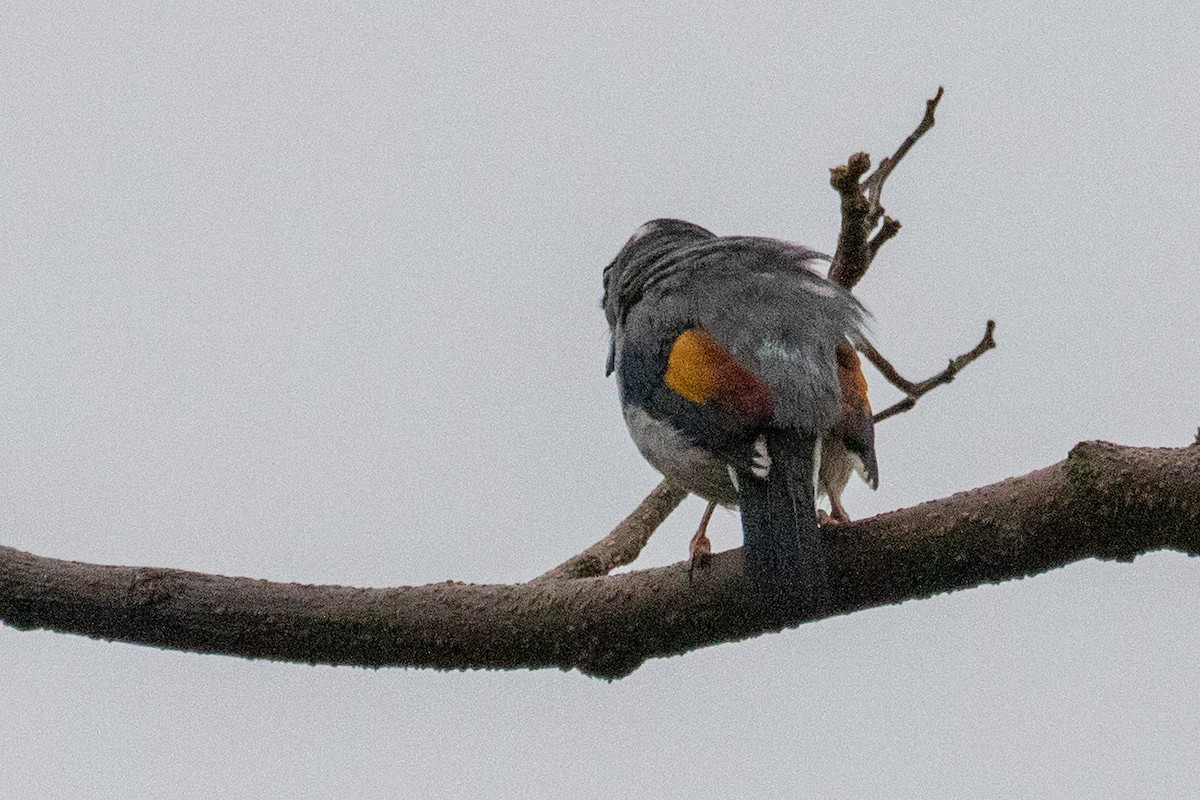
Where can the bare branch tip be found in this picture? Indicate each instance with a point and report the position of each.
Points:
(988, 341)
(845, 177)
(887, 230)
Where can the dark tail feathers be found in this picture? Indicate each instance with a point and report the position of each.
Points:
(783, 553)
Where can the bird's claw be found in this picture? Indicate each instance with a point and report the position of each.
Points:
(835, 518)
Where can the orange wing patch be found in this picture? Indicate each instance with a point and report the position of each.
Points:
(703, 371)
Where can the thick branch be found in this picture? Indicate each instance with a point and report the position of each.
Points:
(1104, 501)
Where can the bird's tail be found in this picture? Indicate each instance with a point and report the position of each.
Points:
(782, 549)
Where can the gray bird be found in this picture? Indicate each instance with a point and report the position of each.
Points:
(726, 351)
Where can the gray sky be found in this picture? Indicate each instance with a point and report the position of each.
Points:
(310, 294)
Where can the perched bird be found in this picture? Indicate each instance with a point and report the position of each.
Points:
(734, 364)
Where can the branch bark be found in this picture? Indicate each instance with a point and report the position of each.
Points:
(1103, 501)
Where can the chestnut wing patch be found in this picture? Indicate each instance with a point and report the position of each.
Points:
(855, 424)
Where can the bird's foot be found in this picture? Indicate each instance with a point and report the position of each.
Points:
(838, 517)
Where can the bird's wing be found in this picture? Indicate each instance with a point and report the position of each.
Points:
(693, 383)
(760, 300)
(855, 425)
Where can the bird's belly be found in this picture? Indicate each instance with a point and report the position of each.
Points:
(684, 464)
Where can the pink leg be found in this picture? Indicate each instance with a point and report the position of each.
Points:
(700, 548)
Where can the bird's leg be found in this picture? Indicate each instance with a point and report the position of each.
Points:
(837, 512)
(700, 548)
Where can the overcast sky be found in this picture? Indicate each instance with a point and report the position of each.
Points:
(309, 293)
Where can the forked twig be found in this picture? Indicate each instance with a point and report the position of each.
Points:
(874, 184)
(862, 206)
(862, 211)
(914, 391)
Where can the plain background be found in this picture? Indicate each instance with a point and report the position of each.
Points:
(309, 292)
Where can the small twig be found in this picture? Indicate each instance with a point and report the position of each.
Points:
(885, 368)
(862, 207)
(874, 184)
(915, 391)
(623, 545)
(886, 231)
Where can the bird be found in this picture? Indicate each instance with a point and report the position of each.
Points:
(735, 367)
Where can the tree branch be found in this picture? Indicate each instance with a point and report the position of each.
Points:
(1104, 501)
(862, 210)
(623, 545)
(862, 205)
(915, 391)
